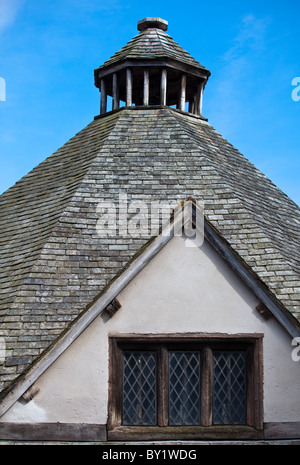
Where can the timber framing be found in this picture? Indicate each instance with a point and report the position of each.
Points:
(84, 432)
(161, 62)
(62, 432)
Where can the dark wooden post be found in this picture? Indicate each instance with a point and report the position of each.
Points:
(191, 106)
(103, 97)
(115, 92)
(198, 99)
(195, 106)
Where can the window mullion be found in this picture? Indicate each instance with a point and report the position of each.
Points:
(162, 387)
(115, 386)
(206, 386)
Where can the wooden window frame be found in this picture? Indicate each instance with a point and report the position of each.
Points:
(163, 343)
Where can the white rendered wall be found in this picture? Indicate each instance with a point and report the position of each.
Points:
(183, 289)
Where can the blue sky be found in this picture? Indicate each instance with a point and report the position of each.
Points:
(49, 50)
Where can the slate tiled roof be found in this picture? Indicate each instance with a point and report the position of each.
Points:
(31, 208)
(150, 44)
(53, 262)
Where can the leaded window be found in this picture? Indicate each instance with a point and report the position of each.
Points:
(229, 388)
(184, 388)
(139, 388)
(183, 382)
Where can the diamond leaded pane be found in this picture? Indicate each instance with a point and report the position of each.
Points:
(229, 394)
(184, 388)
(139, 388)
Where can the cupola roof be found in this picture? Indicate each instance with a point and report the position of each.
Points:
(152, 69)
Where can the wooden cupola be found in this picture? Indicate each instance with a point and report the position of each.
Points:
(152, 69)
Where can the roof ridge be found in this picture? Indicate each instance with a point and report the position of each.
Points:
(163, 46)
(176, 47)
(40, 240)
(287, 261)
(201, 121)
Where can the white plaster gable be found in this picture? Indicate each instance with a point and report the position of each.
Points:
(187, 289)
(181, 290)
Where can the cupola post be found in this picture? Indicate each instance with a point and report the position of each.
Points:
(182, 94)
(152, 69)
(103, 103)
(146, 87)
(200, 98)
(128, 87)
(115, 92)
(163, 87)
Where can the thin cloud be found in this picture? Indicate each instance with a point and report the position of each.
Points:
(239, 65)
(8, 12)
(239, 60)
(250, 38)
